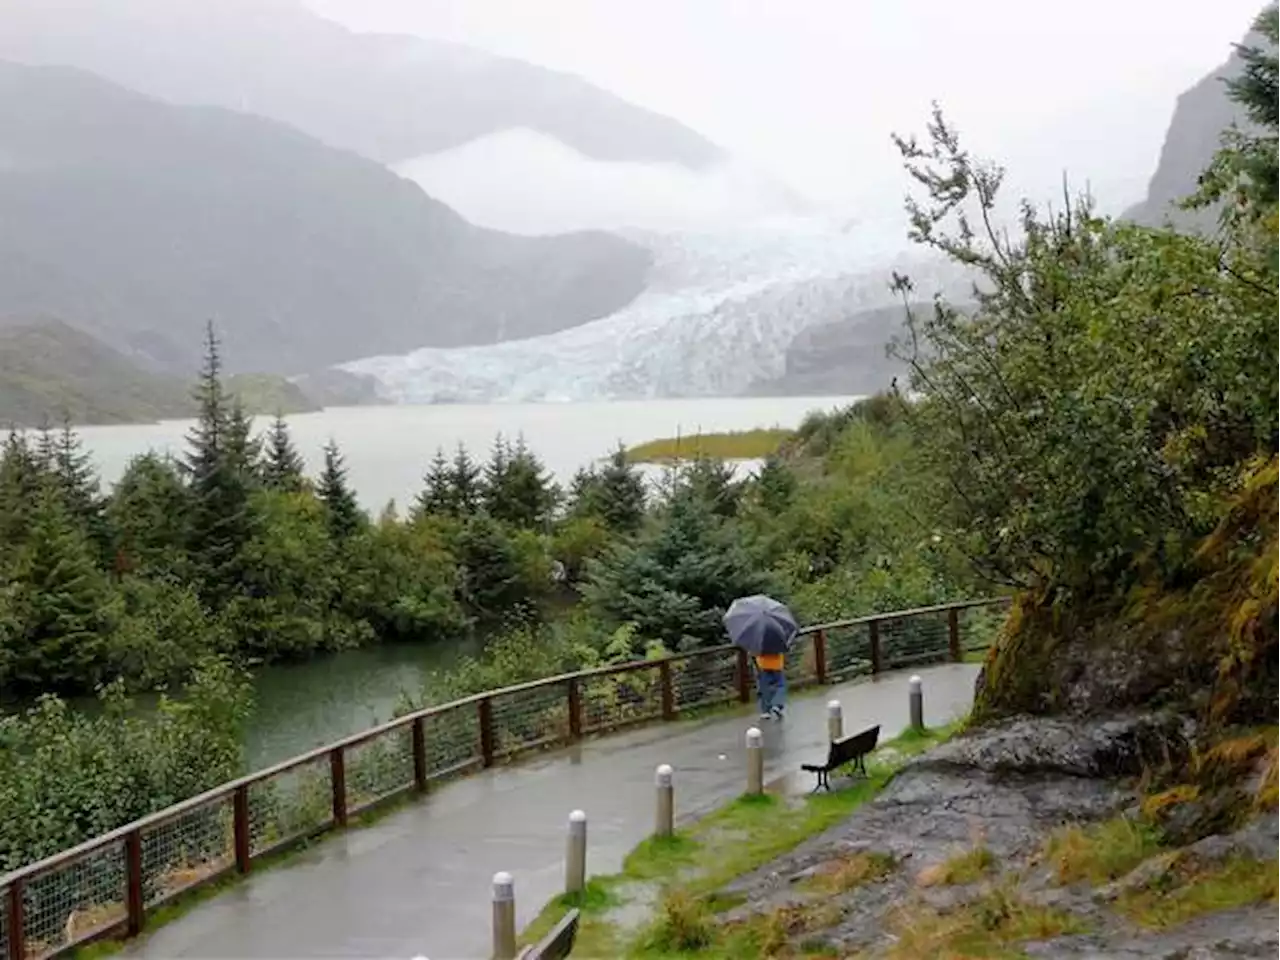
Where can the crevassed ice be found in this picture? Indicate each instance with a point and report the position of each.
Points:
(719, 312)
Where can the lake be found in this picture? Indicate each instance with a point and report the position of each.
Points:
(387, 450)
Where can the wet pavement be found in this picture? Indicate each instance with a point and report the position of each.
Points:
(417, 882)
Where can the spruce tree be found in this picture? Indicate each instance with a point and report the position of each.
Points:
(620, 496)
(527, 497)
(282, 466)
(63, 606)
(148, 514)
(221, 522)
(711, 481)
(464, 484)
(244, 450)
(489, 582)
(345, 517)
(775, 485)
(493, 478)
(436, 498)
(77, 482)
(21, 478)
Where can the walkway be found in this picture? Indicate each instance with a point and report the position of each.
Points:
(417, 882)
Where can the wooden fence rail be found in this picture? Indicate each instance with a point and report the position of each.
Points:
(106, 886)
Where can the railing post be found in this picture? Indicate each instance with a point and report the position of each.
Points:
(418, 733)
(575, 709)
(820, 655)
(744, 677)
(240, 827)
(668, 695)
(484, 707)
(135, 904)
(873, 628)
(953, 634)
(15, 918)
(338, 781)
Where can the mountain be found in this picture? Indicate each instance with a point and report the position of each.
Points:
(1199, 117)
(719, 315)
(137, 221)
(48, 368)
(390, 98)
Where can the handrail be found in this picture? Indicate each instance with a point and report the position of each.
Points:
(664, 667)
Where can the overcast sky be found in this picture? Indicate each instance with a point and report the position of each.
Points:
(809, 91)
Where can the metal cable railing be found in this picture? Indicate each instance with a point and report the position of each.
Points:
(106, 886)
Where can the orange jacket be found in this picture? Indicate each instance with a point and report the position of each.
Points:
(769, 661)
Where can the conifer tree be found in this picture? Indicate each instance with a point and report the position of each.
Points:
(620, 497)
(464, 484)
(64, 603)
(221, 522)
(711, 481)
(77, 481)
(345, 517)
(525, 495)
(21, 478)
(436, 498)
(489, 582)
(148, 513)
(775, 485)
(244, 450)
(282, 466)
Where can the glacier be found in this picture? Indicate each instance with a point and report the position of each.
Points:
(719, 311)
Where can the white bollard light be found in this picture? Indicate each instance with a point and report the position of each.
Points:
(664, 822)
(575, 860)
(755, 762)
(835, 720)
(504, 916)
(915, 701)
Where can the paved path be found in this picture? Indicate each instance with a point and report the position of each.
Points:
(417, 882)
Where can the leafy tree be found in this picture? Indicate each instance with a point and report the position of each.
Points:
(282, 468)
(345, 516)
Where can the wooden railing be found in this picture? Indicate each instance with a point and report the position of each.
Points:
(105, 887)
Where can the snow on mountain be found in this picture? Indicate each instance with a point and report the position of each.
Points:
(719, 312)
(523, 181)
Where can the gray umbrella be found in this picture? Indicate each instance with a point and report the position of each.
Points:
(760, 624)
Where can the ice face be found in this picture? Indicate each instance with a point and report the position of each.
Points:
(719, 312)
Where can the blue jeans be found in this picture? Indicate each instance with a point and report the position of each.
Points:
(771, 686)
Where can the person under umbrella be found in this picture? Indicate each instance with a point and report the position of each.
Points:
(764, 628)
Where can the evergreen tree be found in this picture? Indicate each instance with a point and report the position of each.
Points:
(465, 487)
(583, 491)
(244, 450)
(775, 485)
(711, 481)
(676, 582)
(518, 489)
(148, 514)
(620, 496)
(221, 522)
(282, 466)
(436, 498)
(344, 513)
(63, 609)
(489, 578)
(77, 482)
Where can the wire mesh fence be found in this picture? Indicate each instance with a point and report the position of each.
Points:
(73, 903)
(187, 849)
(379, 767)
(79, 896)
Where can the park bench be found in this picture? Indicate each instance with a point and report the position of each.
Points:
(557, 944)
(853, 749)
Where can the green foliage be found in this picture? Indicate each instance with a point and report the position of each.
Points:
(615, 494)
(281, 468)
(341, 510)
(517, 489)
(66, 777)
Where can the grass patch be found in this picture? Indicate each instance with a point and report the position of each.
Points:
(737, 445)
(1100, 852)
(1186, 891)
(849, 871)
(964, 868)
(992, 926)
(689, 868)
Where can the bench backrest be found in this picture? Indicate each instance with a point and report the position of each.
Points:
(858, 745)
(557, 944)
